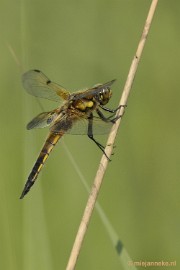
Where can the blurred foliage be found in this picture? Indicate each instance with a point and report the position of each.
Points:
(78, 44)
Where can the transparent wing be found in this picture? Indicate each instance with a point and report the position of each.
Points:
(38, 85)
(80, 126)
(91, 91)
(42, 120)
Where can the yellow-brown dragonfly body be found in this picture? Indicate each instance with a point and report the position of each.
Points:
(75, 116)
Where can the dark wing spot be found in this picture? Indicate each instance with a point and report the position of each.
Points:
(49, 120)
(37, 70)
(48, 82)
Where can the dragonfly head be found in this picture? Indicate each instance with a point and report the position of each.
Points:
(104, 95)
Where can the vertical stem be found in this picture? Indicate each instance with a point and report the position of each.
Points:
(103, 163)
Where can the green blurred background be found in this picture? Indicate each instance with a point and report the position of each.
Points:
(78, 44)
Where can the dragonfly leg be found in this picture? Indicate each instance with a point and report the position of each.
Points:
(112, 110)
(112, 118)
(90, 135)
(101, 115)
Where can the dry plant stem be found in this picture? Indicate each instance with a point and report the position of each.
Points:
(103, 163)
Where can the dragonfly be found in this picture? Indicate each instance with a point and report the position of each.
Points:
(79, 112)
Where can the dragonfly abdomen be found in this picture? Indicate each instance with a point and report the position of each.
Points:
(47, 148)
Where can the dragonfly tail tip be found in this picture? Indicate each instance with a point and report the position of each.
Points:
(22, 195)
